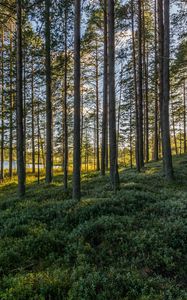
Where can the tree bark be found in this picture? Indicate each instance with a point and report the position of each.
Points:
(145, 62)
(2, 107)
(184, 95)
(33, 113)
(11, 111)
(19, 105)
(38, 121)
(77, 154)
(156, 155)
(105, 95)
(65, 108)
(168, 168)
(174, 131)
(140, 93)
(97, 109)
(49, 162)
(135, 88)
(112, 110)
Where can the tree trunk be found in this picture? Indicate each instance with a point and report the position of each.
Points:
(112, 110)
(77, 154)
(174, 131)
(184, 116)
(140, 93)
(135, 88)
(105, 95)
(97, 109)
(156, 155)
(49, 162)
(130, 142)
(11, 111)
(145, 62)
(19, 105)
(168, 168)
(119, 113)
(38, 121)
(24, 104)
(33, 113)
(2, 107)
(65, 108)
(161, 55)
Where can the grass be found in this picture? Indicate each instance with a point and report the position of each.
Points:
(132, 245)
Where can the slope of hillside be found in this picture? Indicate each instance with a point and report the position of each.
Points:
(132, 245)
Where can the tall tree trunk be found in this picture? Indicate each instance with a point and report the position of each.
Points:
(184, 95)
(130, 136)
(156, 155)
(65, 108)
(49, 162)
(24, 104)
(145, 63)
(173, 125)
(119, 113)
(82, 117)
(105, 95)
(77, 154)
(97, 108)
(160, 60)
(180, 136)
(38, 121)
(135, 88)
(112, 110)
(19, 105)
(33, 113)
(168, 168)
(95, 141)
(140, 93)
(11, 111)
(2, 107)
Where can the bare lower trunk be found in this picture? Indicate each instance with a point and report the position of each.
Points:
(19, 106)
(97, 109)
(105, 98)
(112, 111)
(168, 168)
(140, 93)
(77, 154)
(2, 107)
(135, 89)
(11, 112)
(156, 91)
(49, 162)
(65, 110)
(184, 116)
(33, 113)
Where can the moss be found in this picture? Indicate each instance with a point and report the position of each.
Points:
(127, 246)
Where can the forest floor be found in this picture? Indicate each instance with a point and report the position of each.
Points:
(132, 245)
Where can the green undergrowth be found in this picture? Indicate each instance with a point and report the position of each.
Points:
(130, 245)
